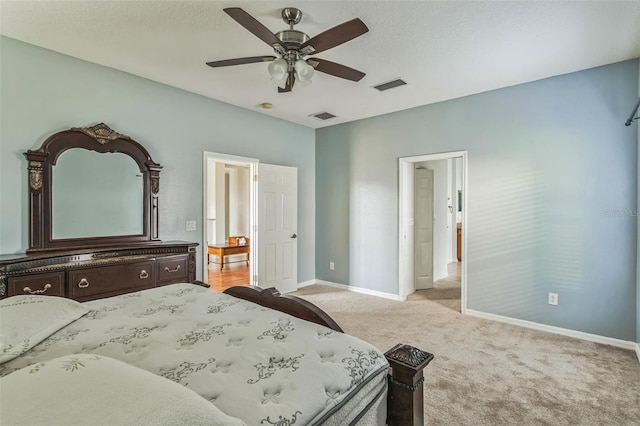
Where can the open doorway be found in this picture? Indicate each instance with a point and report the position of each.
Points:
(432, 223)
(229, 213)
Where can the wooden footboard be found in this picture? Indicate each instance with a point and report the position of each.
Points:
(271, 298)
(405, 406)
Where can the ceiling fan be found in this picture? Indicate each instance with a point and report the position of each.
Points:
(292, 48)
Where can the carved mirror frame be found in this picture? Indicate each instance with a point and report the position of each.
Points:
(102, 139)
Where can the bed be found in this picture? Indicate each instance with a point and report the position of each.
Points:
(253, 365)
(112, 328)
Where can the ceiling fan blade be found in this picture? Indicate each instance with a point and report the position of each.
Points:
(336, 70)
(336, 36)
(252, 24)
(241, 61)
(290, 81)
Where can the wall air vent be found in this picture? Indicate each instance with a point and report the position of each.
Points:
(390, 84)
(322, 115)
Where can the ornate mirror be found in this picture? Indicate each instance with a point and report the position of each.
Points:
(91, 187)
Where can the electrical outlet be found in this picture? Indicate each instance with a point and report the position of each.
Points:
(332, 266)
(553, 299)
(191, 225)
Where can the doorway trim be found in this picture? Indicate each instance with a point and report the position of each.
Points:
(252, 163)
(406, 283)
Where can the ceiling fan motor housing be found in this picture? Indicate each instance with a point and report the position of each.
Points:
(292, 39)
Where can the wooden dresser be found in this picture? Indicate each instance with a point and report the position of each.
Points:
(98, 272)
(104, 241)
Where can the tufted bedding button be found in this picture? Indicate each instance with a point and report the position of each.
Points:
(222, 367)
(271, 396)
(234, 341)
(332, 393)
(327, 357)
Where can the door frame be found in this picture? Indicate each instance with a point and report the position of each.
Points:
(406, 276)
(252, 163)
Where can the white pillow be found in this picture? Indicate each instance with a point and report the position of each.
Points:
(88, 389)
(27, 320)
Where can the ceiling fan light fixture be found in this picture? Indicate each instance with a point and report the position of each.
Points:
(282, 83)
(304, 72)
(278, 72)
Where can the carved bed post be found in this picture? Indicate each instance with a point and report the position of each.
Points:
(405, 396)
(405, 405)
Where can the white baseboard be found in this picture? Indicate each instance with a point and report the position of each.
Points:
(624, 344)
(306, 283)
(353, 289)
(557, 330)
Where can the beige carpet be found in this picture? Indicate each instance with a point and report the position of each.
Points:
(490, 373)
(444, 292)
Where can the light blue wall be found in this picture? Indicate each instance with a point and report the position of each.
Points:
(637, 125)
(546, 162)
(44, 92)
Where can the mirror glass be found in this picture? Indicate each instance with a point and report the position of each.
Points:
(96, 195)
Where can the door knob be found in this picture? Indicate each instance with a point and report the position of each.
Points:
(293, 236)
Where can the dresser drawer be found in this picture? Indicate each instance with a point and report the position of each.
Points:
(93, 283)
(49, 284)
(172, 269)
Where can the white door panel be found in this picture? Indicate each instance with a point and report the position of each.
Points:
(269, 261)
(277, 227)
(423, 225)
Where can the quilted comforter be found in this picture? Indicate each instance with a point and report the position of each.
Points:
(255, 364)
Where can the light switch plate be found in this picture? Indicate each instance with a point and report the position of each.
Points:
(191, 225)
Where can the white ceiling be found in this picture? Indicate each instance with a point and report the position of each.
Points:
(443, 49)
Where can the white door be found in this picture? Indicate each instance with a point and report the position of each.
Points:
(423, 225)
(277, 227)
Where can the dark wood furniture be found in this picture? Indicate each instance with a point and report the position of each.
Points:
(99, 138)
(405, 406)
(292, 305)
(99, 272)
(95, 266)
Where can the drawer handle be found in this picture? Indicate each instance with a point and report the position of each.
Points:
(28, 290)
(144, 275)
(83, 283)
(166, 268)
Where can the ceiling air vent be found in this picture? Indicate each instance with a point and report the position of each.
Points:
(390, 84)
(322, 115)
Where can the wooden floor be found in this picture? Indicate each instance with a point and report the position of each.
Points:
(236, 273)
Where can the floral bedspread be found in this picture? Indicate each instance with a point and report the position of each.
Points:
(259, 365)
